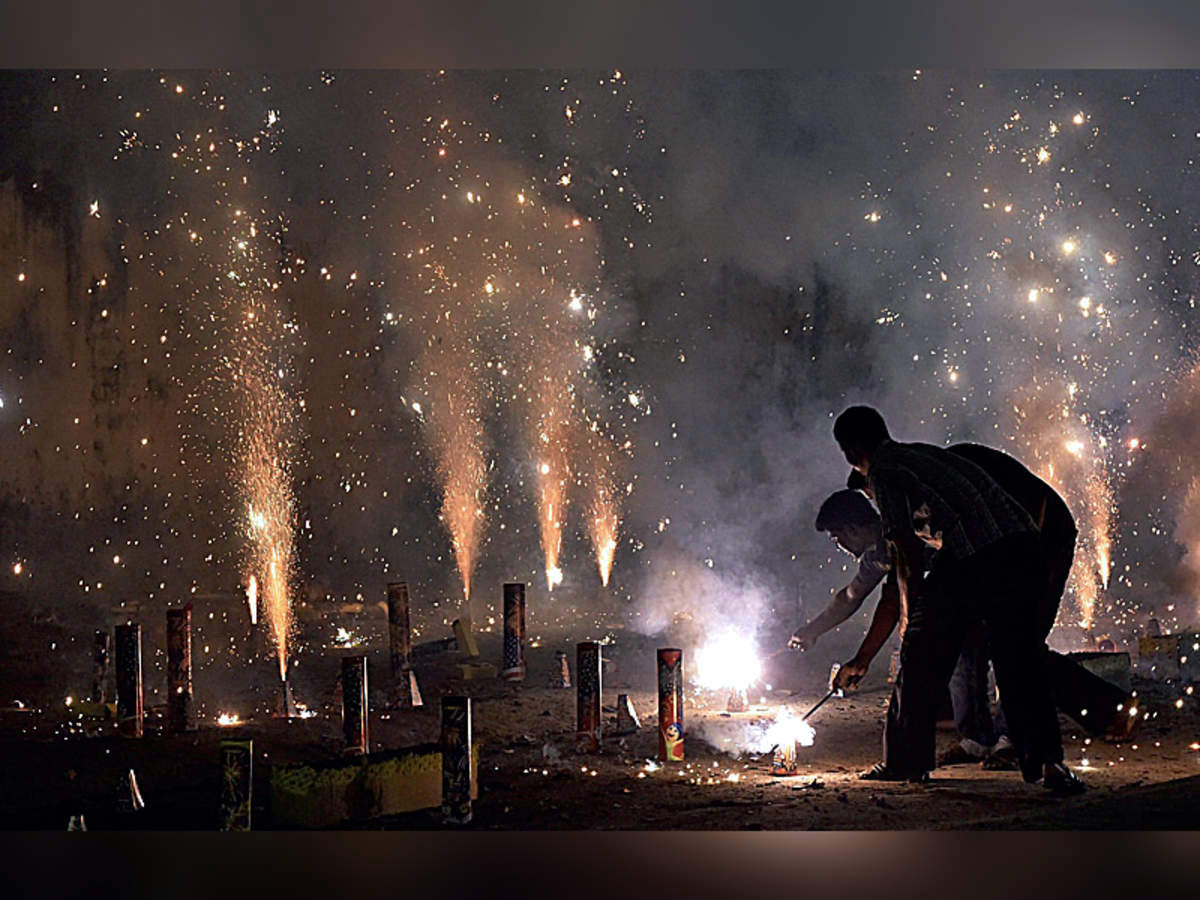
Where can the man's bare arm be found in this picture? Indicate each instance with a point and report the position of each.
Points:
(887, 613)
(843, 605)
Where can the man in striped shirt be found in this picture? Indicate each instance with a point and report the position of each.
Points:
(988, 567)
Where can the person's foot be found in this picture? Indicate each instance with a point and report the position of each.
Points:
(880, 772)
(958, 755)
(1061, 781)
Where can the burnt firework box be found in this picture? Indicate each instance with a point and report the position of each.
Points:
(1158, 656)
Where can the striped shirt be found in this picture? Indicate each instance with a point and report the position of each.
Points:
(948, 501)
(873, 565)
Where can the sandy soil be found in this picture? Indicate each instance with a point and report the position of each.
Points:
(531, 776)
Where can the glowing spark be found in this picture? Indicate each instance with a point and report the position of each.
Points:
(1033, 295)
(1068, 247)
(227, 719)
(1110, 258)
(17, 568)
(1078, 118)
(1043, 156)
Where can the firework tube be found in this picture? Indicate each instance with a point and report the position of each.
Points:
(457, 763)
(237, 785)
(399, 634)
(101, 658)
(354, 704)
(670, 704)
(513, 667)
(587, 696)
(129, 680)
(181, 704)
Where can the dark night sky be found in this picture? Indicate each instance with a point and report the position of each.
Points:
(1003, 257)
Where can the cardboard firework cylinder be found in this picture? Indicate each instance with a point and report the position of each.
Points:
(399, 634)
(129, 680)
(181, 704)
(237, 781)
(587, 695)
(457, 760)
(354, 703)
(513, 665)
(670, 704)
(100, 662)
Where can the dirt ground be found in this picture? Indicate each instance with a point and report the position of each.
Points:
(531, 777)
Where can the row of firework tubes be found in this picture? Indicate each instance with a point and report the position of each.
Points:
(457, 762)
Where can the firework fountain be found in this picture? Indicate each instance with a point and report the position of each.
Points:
(258, 366)
(1066, 449)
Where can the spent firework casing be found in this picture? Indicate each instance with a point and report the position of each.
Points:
(181, 704)
(670, 704)
(627, 717)
(587, 695)
(129, 679)
(237, 782)
(456, 759)
(563, 676)
(399, 633)
(513, 666)
(354, 704)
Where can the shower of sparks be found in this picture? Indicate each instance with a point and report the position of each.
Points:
(1060, 445)
(258, 365)
(554, 424)
(458, 439)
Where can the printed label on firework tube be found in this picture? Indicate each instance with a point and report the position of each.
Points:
(456, 760)
(237, 778)
(670, 704)
(587, 686)
(513, 665)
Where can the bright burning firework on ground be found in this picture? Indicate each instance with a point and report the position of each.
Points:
(729, 661)
(785, 738)
(227, 719)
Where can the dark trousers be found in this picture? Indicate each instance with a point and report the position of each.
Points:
(1002, 589)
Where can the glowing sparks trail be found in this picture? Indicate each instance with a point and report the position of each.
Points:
(603, 514)
(462, 471)
(603, 524)
(1071, 456)
(258, 365)
(553, 470)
